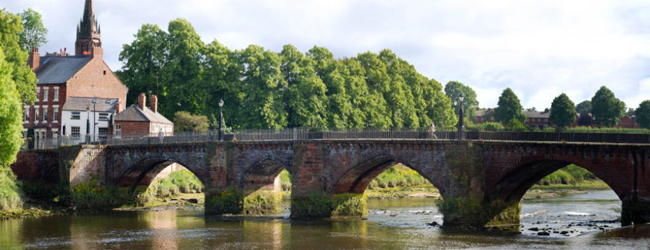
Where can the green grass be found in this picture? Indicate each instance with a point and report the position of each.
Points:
(399, 176)
(10, 191)
(177, 183)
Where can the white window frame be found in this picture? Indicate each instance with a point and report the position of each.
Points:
(73, 134)
(56, 94)
(36, 113)
(38, 94)
(103, 135)
(75, 115)
(55, 133)
(45, 92)
(103, 117)
(44, 113)
(55, 113)
(118, 129)
(26, 114)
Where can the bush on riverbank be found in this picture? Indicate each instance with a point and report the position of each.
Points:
(571, 174)
(10, 191)
(399, 176)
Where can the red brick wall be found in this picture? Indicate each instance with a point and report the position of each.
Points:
(50, 108)
(91, 81)
(134, 127)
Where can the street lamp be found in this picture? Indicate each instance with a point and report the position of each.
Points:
(88, 124)
(221, 120)
(460, 116)
(94, 119)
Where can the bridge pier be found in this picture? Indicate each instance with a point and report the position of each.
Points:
(345, 205)
(637, 212)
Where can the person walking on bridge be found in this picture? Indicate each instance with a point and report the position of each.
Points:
(433, 131)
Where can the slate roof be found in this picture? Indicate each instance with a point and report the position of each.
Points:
(82, 103)
(134, 114)
(58, 69)
(537, 114)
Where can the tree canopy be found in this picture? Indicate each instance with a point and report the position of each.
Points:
(184, 121)
(563, 112)
(606, 108)
(22, 76)
(509, 108)
(266, 89)
(470, 103)
(643, 114)
(584, 107)
(34, 33)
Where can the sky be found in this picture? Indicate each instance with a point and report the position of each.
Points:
(539, 49)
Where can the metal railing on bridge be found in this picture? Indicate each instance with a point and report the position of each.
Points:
(292, 134)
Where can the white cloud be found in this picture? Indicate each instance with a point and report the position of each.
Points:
(538, 48)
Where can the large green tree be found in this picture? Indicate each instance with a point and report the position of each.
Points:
(509, 108)
(606, 108)
(10, 28)
(563, 112)
(339, 106)
(643, 114)
(453, 89)
(34, 33)
(11, 124)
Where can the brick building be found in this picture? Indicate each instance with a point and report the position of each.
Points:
(62, 76)
(140, 119)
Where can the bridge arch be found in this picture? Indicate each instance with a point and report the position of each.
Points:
(358, 178)
(261, 187)
(144, 171)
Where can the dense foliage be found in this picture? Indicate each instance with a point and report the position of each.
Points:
(563, 113)
(22, 76)
(643, 114)
(34, 32)
(453, 89)
(606, 108)
(265, 89)
(184, 121)
(584, 107)
(509, 110)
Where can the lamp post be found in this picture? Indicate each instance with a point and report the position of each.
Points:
(460, 116)
(94, 119)
(221, 120)
(88, 124)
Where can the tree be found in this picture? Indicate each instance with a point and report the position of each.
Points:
(22, 75)
(328, 69)
(585, 119)
(584, 107)
(606, 108)
(184, 121)
(509, 108)
(643, 114)
(34, 32)
(563, 113)
(469, 103)
(11, 124)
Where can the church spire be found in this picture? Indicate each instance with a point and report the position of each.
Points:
(88, 34)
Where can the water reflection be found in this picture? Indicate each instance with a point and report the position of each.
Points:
(392, 224)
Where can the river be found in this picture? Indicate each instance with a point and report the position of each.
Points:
(391, 224)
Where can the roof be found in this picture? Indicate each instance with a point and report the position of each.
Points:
(82, 103)
(537, 114)
(134, 114)
(58, 69)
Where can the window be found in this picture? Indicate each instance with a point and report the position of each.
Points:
(103, 116)
(25, 133)
(38, 94)
(75, 132)
(55, 133)
(56, 94)
(55, 114)
(26, 114)
(36, 117)
(45, 90)
(118, 129)
(75, 115)
(103, 132)
(44, 114)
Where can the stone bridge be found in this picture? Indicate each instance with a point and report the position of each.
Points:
(481, 182)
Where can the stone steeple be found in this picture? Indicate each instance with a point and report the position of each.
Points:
(88, 32)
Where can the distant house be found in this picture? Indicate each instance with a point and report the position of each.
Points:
(484, 115)
(628, 121)
(536, 119)
(139, 119)
(82, 116)
(62, 77)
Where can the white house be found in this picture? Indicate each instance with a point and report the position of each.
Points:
(88, 117)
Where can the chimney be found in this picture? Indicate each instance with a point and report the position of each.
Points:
(142, 99)
(117, 106)
(65, 52)
(153, 103)
(97, 52)
(34, 59)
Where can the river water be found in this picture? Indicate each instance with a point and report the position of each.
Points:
(391, 224)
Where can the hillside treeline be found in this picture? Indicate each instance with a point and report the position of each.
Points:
(289, 88)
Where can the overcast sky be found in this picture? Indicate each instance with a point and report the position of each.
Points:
(540, 49)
